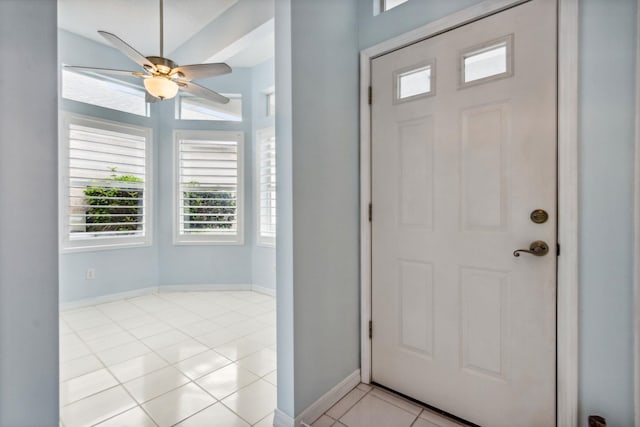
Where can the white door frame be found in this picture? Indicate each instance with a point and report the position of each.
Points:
(636, 238)
(567, 278)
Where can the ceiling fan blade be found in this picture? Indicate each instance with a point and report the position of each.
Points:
(106, 71)
(150, 98)
(201, 71)
(202, 92)
(123, 47)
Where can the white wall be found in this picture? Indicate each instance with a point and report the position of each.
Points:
(28, 215)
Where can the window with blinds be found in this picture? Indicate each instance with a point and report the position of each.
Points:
(209, 187)
(106, 186)
(266, 171)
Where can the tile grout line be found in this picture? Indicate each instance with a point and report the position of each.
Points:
(349, 408)
(153, 351)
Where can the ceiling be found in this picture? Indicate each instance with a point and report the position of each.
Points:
(137, 23)
(254, 48)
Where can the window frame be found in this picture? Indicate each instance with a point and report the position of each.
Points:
(67, 245)
(263, 241)
(208, 239)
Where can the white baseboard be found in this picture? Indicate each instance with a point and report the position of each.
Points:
(71, 305)
(330, 398)
(280, 419)
(262, 290)
(320, 406)
(204, 287)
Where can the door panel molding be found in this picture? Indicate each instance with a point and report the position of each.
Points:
(567, 276)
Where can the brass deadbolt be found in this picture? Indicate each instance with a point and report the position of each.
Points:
(539, 216)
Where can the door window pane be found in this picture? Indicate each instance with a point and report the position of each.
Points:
(486, 62)
(414, 82)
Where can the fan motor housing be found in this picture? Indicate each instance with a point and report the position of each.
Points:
(161, 63)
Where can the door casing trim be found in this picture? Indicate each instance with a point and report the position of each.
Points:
(636, 237)
(567, 275)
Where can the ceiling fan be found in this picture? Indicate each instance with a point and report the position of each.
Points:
(162, 77)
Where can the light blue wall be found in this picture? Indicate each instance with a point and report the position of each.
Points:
(264, 258)
(284, 237)
(164, 263)
(28, 215)
(405, 17)
(117, 270)
(607, 111)
(319, 119)
(204, 264)
(607, 114)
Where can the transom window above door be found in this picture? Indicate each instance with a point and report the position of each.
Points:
(390, 4)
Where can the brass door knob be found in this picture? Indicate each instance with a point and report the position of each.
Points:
(537, 248)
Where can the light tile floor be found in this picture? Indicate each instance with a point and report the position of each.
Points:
(367, 406)
(174, 358)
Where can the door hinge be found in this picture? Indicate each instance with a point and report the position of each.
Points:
(370, 329)
(370, 95)
(370, 212)
(557, 249)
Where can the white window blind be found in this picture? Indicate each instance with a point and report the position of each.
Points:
(106, 187)
(267, 187)
(209, 187)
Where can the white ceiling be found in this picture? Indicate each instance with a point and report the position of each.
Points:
(137, 22)
(254, 48)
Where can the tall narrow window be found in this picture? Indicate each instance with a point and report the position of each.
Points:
(106, 186)
(271, 104)
(266, 166)
(209, 187)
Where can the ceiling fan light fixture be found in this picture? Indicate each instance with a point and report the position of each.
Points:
(161, 87)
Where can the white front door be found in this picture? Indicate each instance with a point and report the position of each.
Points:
(463, 152)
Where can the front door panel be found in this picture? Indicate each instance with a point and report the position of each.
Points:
(463, 151)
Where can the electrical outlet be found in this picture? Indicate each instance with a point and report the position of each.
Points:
(91, 274)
